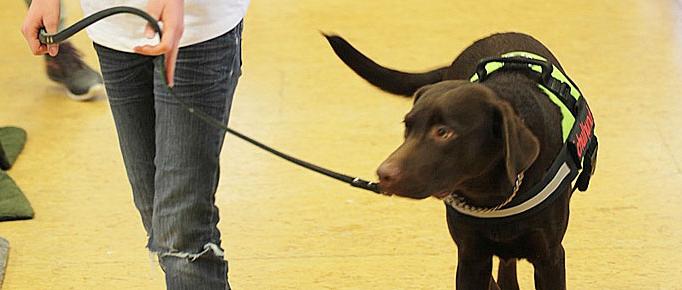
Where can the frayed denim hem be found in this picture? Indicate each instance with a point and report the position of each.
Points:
(209, 247)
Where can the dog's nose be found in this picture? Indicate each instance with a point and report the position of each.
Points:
(388, 173)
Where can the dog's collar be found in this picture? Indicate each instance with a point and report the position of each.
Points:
(560, 175)
(460, 202)
(577, 157)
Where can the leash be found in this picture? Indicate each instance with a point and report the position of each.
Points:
(46, 38)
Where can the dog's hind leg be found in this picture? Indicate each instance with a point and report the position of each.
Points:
(506, 275)
(493, 285)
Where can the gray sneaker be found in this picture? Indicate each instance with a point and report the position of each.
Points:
(69, 70)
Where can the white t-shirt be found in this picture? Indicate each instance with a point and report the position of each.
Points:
(204, 20)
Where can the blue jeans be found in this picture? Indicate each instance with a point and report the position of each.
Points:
(172, 157)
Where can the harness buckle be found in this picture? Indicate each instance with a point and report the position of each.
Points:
(563, 91)
(589, 165)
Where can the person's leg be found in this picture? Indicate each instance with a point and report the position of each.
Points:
(68, 69)
(81, 82)
(185, 233)
(130, 84)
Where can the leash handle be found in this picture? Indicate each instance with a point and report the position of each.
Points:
(46, 38)
(61, 36)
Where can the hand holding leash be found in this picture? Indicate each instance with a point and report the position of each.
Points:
(41, 14)
(171, 13)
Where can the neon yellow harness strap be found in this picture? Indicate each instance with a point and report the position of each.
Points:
(568, 120)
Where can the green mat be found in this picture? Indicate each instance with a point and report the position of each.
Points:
(13, 203)
(13, 140)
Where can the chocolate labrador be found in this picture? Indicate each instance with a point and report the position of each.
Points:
(484, 143)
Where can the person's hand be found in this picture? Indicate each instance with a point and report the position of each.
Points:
(42, 13)
(171, 13)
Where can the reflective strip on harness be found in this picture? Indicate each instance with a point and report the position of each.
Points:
(553, 185)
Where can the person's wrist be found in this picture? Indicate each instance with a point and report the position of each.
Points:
(43, 2)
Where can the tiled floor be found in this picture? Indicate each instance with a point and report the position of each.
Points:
(286, 228)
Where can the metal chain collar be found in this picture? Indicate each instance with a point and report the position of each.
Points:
(458, 201)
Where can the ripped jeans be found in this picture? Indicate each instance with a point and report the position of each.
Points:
(172, 157)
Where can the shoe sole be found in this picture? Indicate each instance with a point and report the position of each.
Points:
(94, 91)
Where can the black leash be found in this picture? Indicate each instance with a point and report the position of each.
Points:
(80, 25)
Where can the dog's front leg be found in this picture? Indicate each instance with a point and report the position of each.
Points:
(474, 271)
(506, 275)
(550, 271)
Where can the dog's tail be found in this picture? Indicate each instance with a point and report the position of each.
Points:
(392, 81)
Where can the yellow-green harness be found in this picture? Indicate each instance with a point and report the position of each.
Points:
(578, 155)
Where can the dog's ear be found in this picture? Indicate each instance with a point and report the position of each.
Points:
(521, 147)
(420, 92)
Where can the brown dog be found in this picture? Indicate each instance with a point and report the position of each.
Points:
(482, 142)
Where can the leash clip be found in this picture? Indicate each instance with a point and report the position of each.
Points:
(44, 37)
(364, 184)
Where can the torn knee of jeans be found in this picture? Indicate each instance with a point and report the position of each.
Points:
(208, 248)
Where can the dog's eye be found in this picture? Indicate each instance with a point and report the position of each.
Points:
(443, 132)
(408, 127)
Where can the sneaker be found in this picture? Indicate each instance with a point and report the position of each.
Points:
(69, 70)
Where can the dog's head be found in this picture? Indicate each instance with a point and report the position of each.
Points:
(456, 131)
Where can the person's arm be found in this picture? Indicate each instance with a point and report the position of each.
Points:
(171, 13)
(41, 13)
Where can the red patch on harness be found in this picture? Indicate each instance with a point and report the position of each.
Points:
(586, 132)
